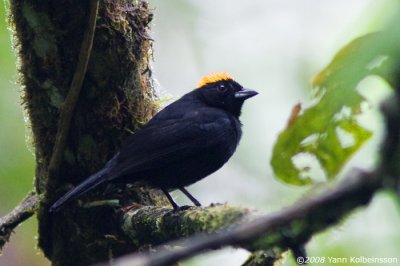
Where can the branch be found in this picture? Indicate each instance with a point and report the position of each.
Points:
(289, 228)
(68, 107)
(156, 225)
(22, 212)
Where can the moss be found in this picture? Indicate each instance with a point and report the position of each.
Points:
(210, 219)
(266, 241)
(271, 257)
(154, 225)
(44, 40)
(87, 148)
(69, 157)
(115, 95)
(55, 97)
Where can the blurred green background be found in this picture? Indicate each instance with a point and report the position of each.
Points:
(273, 46)
(16, 158)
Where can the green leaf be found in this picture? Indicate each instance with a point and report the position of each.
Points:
(316, 130)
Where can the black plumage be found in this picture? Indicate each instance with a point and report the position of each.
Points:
(185, 142)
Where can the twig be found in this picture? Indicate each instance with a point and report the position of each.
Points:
(68, 107)
(286, 229)
(22, 212)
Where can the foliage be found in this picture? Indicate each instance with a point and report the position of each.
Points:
(317, 131)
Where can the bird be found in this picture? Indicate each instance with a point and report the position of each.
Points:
(186, 141)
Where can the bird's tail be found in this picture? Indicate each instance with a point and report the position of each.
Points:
(90, 183)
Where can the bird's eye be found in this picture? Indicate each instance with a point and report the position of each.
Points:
(222, 88)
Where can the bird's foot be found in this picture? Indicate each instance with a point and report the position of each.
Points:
(182, 208)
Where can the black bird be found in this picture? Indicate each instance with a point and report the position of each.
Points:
(185, 142)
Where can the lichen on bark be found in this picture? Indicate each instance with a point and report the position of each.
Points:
(155, 225)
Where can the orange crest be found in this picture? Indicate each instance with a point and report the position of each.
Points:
(214, 77)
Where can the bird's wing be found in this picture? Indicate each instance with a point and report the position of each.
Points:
(170, 141)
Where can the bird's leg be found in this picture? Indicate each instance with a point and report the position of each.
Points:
(187, 194)
(171, 200)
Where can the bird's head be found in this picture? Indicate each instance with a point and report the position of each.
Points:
(222, 91)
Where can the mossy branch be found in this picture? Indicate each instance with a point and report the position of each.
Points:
(221, 225)
(22, 212)
(157, 225)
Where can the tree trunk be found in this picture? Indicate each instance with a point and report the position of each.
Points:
(115, 99)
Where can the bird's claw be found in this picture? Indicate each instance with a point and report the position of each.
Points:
(182, 208)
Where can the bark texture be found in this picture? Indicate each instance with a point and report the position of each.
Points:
(116, 98)
(156, 225)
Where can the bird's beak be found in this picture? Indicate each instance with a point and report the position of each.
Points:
(245, 94)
